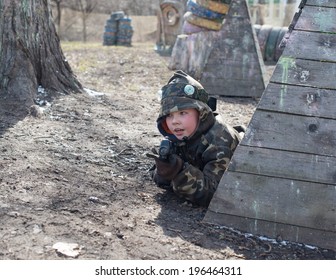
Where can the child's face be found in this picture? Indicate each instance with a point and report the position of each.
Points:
(182, 123)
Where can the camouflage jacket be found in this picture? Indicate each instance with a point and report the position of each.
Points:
(206, 154)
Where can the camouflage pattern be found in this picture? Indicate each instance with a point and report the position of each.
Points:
(179, 92)
(206, 153)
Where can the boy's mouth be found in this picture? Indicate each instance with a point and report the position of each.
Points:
(178, 131)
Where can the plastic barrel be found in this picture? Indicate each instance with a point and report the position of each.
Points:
(118, 30)
(271, 44)
(269, 39)
(125, 32)
(110, 34)
(117, 15)
(257, 28)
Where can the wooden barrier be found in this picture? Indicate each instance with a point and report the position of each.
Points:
(281, 179)
(235, 66)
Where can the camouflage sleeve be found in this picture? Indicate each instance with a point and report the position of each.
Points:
(198, 186)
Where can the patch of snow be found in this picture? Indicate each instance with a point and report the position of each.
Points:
(41, 90)
(67, 249)
(264, 238)
(93, 93)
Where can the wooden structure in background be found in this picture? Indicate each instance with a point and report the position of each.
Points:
(227, 62)
(169, 24)
(235, 65)
(282, 178)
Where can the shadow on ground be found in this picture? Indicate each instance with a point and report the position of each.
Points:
(186, 223)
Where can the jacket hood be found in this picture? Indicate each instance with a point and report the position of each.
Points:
(184, 92)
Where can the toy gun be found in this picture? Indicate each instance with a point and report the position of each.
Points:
(166, 149)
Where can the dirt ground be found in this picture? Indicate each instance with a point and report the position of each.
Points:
(73, 172)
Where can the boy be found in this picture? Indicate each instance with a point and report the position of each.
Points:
(200, 144)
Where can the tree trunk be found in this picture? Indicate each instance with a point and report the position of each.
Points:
(30, 53)
(84, 28)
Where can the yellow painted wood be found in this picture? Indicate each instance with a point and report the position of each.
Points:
(214, 6)
(209, 24)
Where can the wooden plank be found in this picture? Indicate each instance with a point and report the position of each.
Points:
(279, 50)
(323, 45)
(235, 64)
(284, 164)
(323, 239)
(322, 3)
(235, 70)
(299, 100)
(230, 87)
(295, 133)
(303, 72)
(274, 199)
(222, 57)
(317, 19)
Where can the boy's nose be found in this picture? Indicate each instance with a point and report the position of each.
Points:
(176, 119)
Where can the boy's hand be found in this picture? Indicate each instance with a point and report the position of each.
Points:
(167, 169)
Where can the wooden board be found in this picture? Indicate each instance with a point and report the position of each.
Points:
(323, 45)
(231, 87)
(322, 3)
(296, 197)
(303, 72)
(235, 65)
(309, 236)
(282, 177)
(284, 164)
(293, 99)
(244, 72)
(302, 130)
(325, 21)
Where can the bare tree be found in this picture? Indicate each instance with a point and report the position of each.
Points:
(59, 14)
(30, 53)
(86, 7)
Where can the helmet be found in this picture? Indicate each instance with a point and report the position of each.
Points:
(182, 92)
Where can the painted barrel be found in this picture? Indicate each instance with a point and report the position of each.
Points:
(203, 12)
(118, 30)
(221, 7)
(110, 33)
(117, 15)
(203, 22)
(125, 32)
(269, 38)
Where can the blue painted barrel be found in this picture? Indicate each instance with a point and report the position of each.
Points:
(110, 34)
(117, 15)
(203, 12)
(118, 30)
(125, 32)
